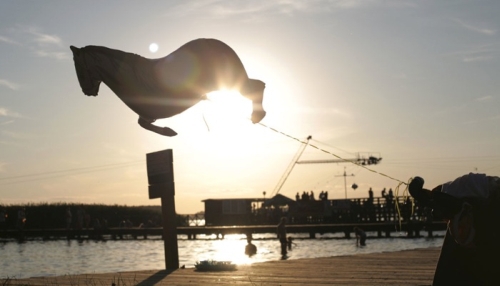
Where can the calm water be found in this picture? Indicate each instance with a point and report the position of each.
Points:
(53, 258)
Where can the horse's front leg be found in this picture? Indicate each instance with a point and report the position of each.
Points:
(147, 124)
(254, 90)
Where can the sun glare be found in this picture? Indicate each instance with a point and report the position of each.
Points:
(231, 250)
(228, 109)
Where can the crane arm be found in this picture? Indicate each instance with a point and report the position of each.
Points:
(360, 161)
(295, 159)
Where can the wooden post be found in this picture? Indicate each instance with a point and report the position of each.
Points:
(170, 231)
(161, 185)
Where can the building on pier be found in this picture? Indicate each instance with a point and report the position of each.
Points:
(259, 211)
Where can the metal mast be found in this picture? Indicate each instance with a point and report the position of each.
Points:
(345, 181)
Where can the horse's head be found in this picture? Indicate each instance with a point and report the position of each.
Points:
(469, 204)
(87, 77)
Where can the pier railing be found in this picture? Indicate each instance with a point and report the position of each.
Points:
(384, 229)
(313, 217)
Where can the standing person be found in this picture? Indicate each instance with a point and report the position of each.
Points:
(21, 218)
(369, 208)
(3, 221)
(250, 248)
(282, 235)
(80, 215)
(289, 242)
(389, 203)
(360, 236)
(87, 221)
(68, 217)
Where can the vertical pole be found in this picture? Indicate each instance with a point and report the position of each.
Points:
(345, 181)
(169, 230)
(161, 185)
(345, 184)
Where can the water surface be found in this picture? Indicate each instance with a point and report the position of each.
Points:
(61, 257)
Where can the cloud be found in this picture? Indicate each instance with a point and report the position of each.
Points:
(47, 45)
(54, 55)
(484, 119)
(8, 40)
(7, 113)
(484, 98)
(476, 59)
(224, 8)
(478, 53)
(8, 84)
(42, 44)
(43, 39)
(476, 29)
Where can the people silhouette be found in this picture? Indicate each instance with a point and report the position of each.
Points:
(282, 235)
(250, 249)
(360, 236)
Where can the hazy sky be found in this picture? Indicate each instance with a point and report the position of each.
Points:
(417, 82)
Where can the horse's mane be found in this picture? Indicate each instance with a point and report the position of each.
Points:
(112, 62)
(112, 53)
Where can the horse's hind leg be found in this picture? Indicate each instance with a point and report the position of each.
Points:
(147, 124)
(254, 90)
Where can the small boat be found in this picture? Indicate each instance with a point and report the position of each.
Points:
(213, 265)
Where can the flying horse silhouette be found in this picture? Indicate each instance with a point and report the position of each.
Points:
(164, 87)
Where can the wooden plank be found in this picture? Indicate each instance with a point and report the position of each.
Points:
(410, 267)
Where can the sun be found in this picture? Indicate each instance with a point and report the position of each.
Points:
(228, 109)
(153, 47)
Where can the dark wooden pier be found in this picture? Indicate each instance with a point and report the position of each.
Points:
(414, 229)
(304, 217)
(409, 267)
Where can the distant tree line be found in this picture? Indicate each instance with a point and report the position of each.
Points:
(48, 216)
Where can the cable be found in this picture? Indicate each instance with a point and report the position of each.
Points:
(334, 155)
(67, 172)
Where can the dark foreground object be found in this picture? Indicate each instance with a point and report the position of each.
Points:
(412, 267)
(471, 206)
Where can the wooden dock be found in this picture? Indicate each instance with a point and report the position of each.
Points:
(409, 267)
(415, 229)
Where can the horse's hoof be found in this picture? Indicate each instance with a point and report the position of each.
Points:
(168, 132)
(257, 116)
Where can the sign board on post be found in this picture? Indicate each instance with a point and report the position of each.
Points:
(161, 185)
(157, 191)
(160, 173)
(160, 167)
